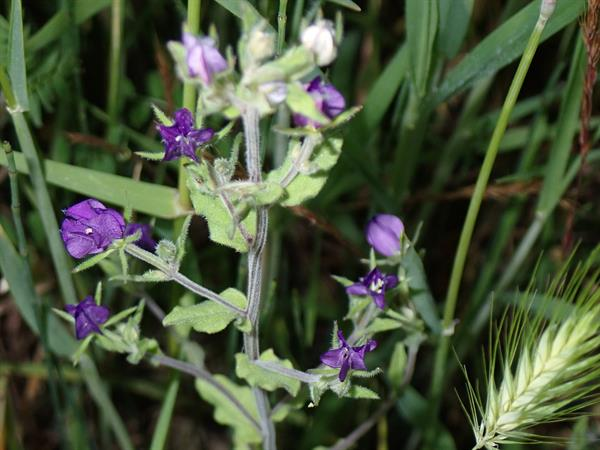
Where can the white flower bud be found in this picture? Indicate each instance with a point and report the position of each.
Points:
(261, 44)
(319, 38)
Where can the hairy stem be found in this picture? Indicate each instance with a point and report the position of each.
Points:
(181, 279)
(250, 119)
(441, 356)
(199, 372)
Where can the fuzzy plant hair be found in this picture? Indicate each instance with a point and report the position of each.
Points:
(544, 364)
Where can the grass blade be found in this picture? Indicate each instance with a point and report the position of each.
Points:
(421, 28)
(16, 57)
(147, 198)
(159, 438)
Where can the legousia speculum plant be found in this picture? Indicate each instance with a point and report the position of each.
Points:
(241, 90)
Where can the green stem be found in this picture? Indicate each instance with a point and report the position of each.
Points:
(281, 24)
(114, 75)
(45, 207)
(181, 279)
(437, 381)
(15, 203)
(189, 99)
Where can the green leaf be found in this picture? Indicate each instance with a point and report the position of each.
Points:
(347, 4)
(151, 156)
(147, 198)
(255, 194)
(226, 412)
(357, 391)
(221, 224)
(342, 280)
(150, 276)
(16, 57)
(93, 260)
(301, 102)
(421, 28)
(263, 378)
(16, 271)
(397, 365)
(307, 186)
(454, 16)
(241, 9)
(504, 45)
(381, 324)
(208, 316)
(182, 238)
(294, 64)
(161, 116)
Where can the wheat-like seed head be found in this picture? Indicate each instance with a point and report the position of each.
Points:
(549, 367)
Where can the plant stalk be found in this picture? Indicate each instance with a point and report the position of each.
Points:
(441, 356)
(181, 279)
(250, 118)
(15, 204)
(189, 100)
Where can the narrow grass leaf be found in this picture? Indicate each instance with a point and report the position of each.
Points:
(16, 57)
(161, 431)
(147, 198)
(454, 17)
(421, 29)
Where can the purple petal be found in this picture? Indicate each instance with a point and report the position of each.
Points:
(79, 246)
(344, 370)
(107, 227)
(370, 345)
(357, 361)
(71, 309)
(84, 326)
(85, 209)
(145, 241)
(186, 148)
(391, 281)
(379, 300)
(169, 133)
(340, 336)
(199, 137)
(332, 358)
(97, 313)
(357, 289)
(314, 85)
(184, 120)
(383, 234)
(333, 101)
(203, 58)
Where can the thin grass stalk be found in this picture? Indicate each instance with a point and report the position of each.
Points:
(475, 203)
(15, 203)
(255, 263)
(115, 62)
(281, 24)
(45, 208)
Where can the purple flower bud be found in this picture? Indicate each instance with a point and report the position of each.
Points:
(88, 316)
(346, 357)
(145, 241)
(375, 284)
(90, 227)
(181, 138)
(327, 99)
(202, 57)
(383, 234)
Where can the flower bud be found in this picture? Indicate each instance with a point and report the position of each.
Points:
(202, 57)
(261, 45)
(275, 91)
(383, 234)
(319, 38)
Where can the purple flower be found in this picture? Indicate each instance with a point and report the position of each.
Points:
(346, 357)
(374, 284)
(327, 99)
(90, 227)
(181, 138)
(145, 241)
(87, 316)
(383, 234)
(202, 57)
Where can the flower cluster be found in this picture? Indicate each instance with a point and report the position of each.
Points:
(90, 228)
(383, 233)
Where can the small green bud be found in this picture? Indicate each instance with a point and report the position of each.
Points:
(167, 251)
